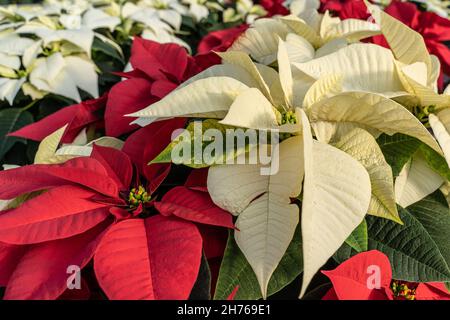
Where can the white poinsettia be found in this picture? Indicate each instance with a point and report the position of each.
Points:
(28, 12)
(75, 7)
(91, 19)
(163, 36)
(261, 39)
(49, 33)
(266, 217)
(198, 9)
(9, 88)
(161, 19)
(222, 90)
(64, 75)
(419, 72)
(11, 79)
(307, 10)
(245, 10)
(168, 12)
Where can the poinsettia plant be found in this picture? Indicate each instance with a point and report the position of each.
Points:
(293, 149)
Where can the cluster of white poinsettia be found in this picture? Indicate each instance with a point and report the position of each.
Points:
(47, 48)
(338, 95)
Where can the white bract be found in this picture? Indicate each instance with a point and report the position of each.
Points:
(64, 75)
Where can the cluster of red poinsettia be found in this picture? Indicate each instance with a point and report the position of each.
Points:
(106, 207)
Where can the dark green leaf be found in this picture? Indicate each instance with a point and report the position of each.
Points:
(358, 239)
(235, 270)
(202, 286)
(398, 150)
(107, 49)
(344, 253)
(12, 119)
(433, 213)
(419, 250)
(318, 292)
(412, 249)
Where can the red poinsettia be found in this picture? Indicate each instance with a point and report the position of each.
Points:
(220, 40)
(77, 117)
(274, 7)
(96, 207)
(434, 29)
(345, 9)
(157, 70)
(217, 41)
(368, 276)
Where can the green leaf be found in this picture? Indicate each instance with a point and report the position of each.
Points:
(412, 250)
(419, 251)
(434, 214)
(358, 239)
(436, 162)
(12, 119)
(202, 286)
(198, 157)
(344, 253)
(101, 46)
(235, 270)
(398, 150)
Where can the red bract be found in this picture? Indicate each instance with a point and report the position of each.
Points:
(274, 7)
(88, 211)
(145, 144)
(220, 40)
(368, 276)
(346, 9)
(153, 258)
(194, 206)
(76, 116)
(434, 29)
(158, 69)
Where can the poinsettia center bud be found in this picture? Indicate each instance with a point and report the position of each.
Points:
(160, 5)
(422, 113)
(138, 196)
(403, 290)
(288, 117)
